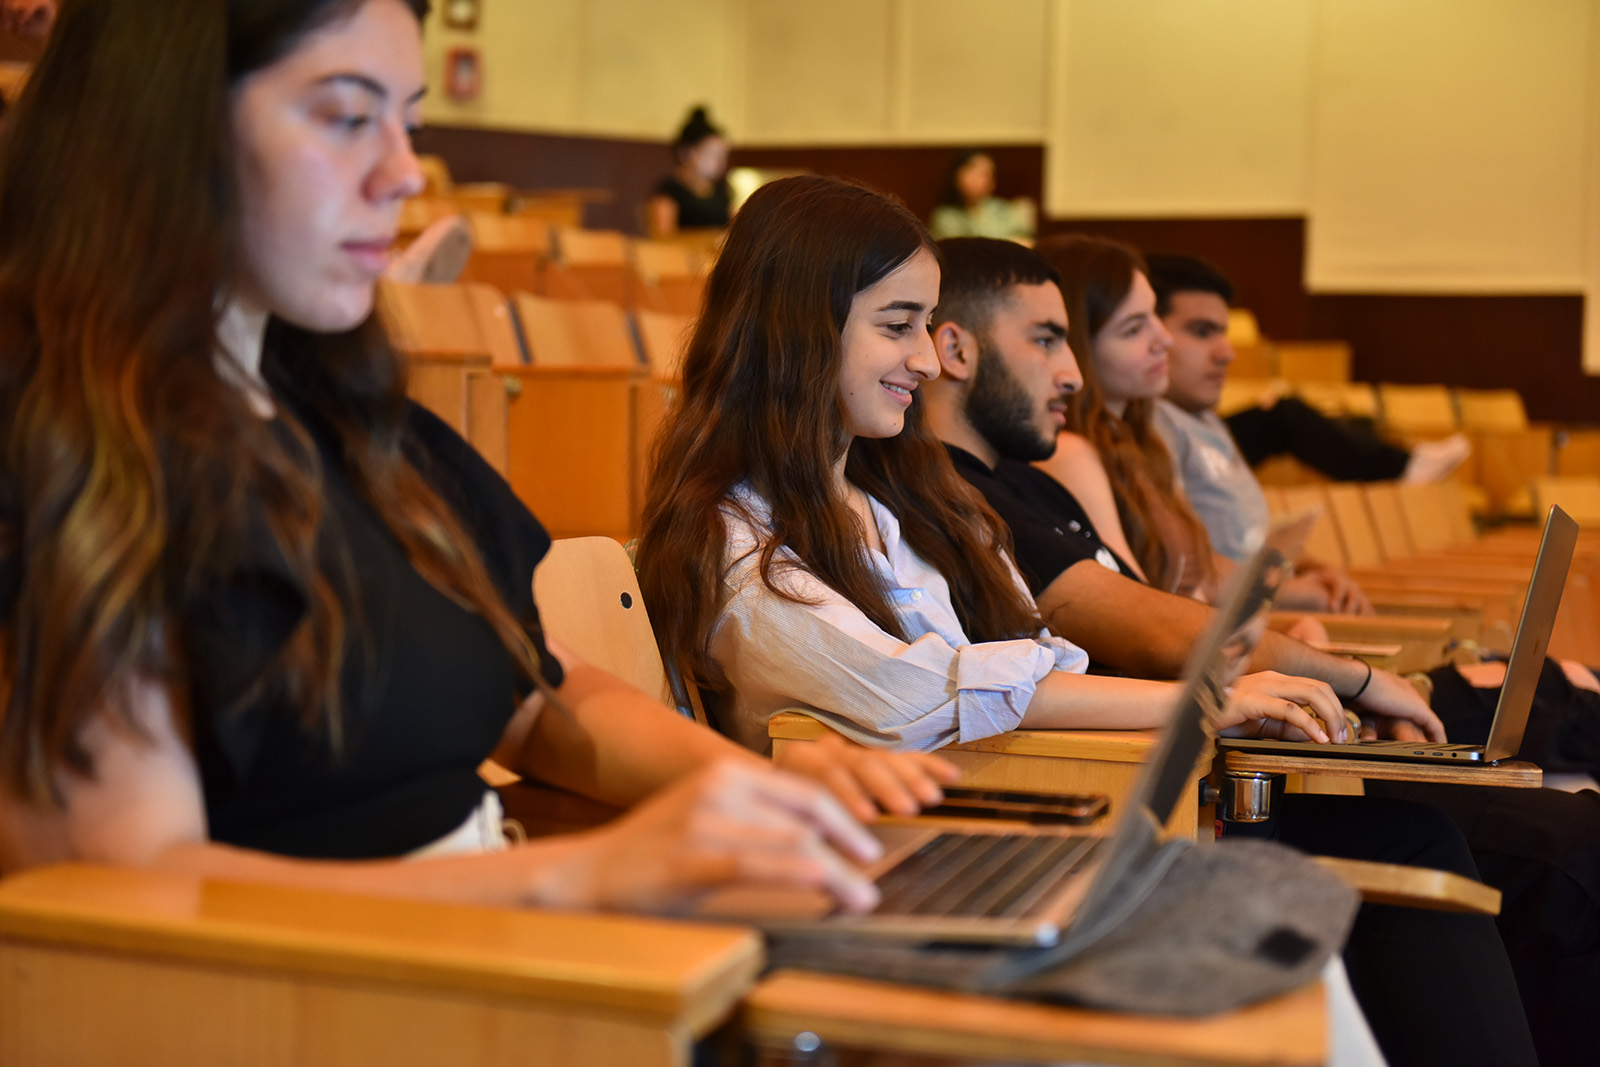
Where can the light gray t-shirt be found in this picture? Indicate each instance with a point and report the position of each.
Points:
(1214, 476)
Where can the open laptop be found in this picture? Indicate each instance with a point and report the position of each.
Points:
(1523, 668)
(1027, 885)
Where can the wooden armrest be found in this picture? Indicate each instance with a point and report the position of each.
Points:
(1422, 640)
(1414, 887)
(1384, 656)
(648, 966)
(201, 969)
(882, 1017)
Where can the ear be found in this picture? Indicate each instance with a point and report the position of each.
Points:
(958, 352)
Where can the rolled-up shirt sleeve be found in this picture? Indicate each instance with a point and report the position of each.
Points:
(825, 657)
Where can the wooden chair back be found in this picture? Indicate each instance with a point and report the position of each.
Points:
(1578, 496)
(1242, 391)
(592, 264)
(1426, 517)
(1340, 399)
(1417, 412)
(1579, 454)
(554, 207)
(1388, 519)
(589, 601)
(1347, 506)
(420, 212)
(664, 337)
(1491, 409)
(489, 197)
(669, 276)
(1314, 361)
(1256, 360)
(1322, 543)
(1243, 329)
(509, 252)
(576, 333)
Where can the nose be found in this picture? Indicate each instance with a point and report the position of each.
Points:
(397, 175)
(1223, 352)
(1161, 339)
(923, 361)
(1069, 376)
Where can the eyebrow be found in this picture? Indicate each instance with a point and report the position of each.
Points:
(903, 305)
(371, 85)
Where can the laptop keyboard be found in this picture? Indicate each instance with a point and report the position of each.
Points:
(982, 875)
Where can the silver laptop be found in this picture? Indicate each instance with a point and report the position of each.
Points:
(1028, 885)
(1516, 692)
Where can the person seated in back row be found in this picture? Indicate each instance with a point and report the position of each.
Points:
(261, 617)
(695, 196)
(1192, 300)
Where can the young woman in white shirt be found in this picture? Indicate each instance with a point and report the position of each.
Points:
(806, 542)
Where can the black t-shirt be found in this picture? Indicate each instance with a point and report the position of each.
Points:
(698, 212)
(1049, 527)
(427, 687)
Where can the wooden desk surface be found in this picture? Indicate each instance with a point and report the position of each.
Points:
(877, 1016)
(646, 967)
(1509, 773)
(1114, 746)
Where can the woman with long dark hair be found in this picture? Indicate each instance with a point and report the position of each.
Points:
(806, 541)
(255, 607)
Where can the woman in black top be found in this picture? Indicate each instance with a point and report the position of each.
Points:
(255, 608)
(695, 195)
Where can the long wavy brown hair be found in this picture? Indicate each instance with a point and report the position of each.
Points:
(760, 404)
(131, 471)
(1097, 275)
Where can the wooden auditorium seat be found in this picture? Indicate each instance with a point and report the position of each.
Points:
(1314, 361)
(663, 336)
(591, 264)
(1414, 413)
(509, 252)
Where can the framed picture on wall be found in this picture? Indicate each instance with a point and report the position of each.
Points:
(461, 14)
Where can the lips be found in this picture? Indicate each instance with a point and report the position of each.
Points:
(372, 256)
(901, 393)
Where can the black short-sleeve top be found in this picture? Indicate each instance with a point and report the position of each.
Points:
(1049, 528)
(428, 689)
(698, 212)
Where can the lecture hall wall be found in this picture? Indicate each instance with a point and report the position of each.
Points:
(1422, 178)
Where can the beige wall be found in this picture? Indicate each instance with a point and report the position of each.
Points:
(1177, 108)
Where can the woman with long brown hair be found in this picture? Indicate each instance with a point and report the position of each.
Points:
(256, 609)
(806, 541)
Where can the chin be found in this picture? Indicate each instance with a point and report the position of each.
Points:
(332, 313)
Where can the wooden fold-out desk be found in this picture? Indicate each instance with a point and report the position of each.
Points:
(1105, 762)
(881, 1018)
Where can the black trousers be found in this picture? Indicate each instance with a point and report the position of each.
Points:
(1346, 450)
(1436, 987)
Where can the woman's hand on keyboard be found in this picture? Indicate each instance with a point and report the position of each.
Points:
(868, 779)
(736, 822)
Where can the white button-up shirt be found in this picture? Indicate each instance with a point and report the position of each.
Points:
(825, 657)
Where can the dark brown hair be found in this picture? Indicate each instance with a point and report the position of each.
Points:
(1096, 277)
(131, 472)
(760, 404)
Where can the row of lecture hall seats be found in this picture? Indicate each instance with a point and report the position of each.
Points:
(1510, 453)
(562, 396)
(183, 971)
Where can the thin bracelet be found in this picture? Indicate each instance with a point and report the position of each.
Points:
(1357, 694)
